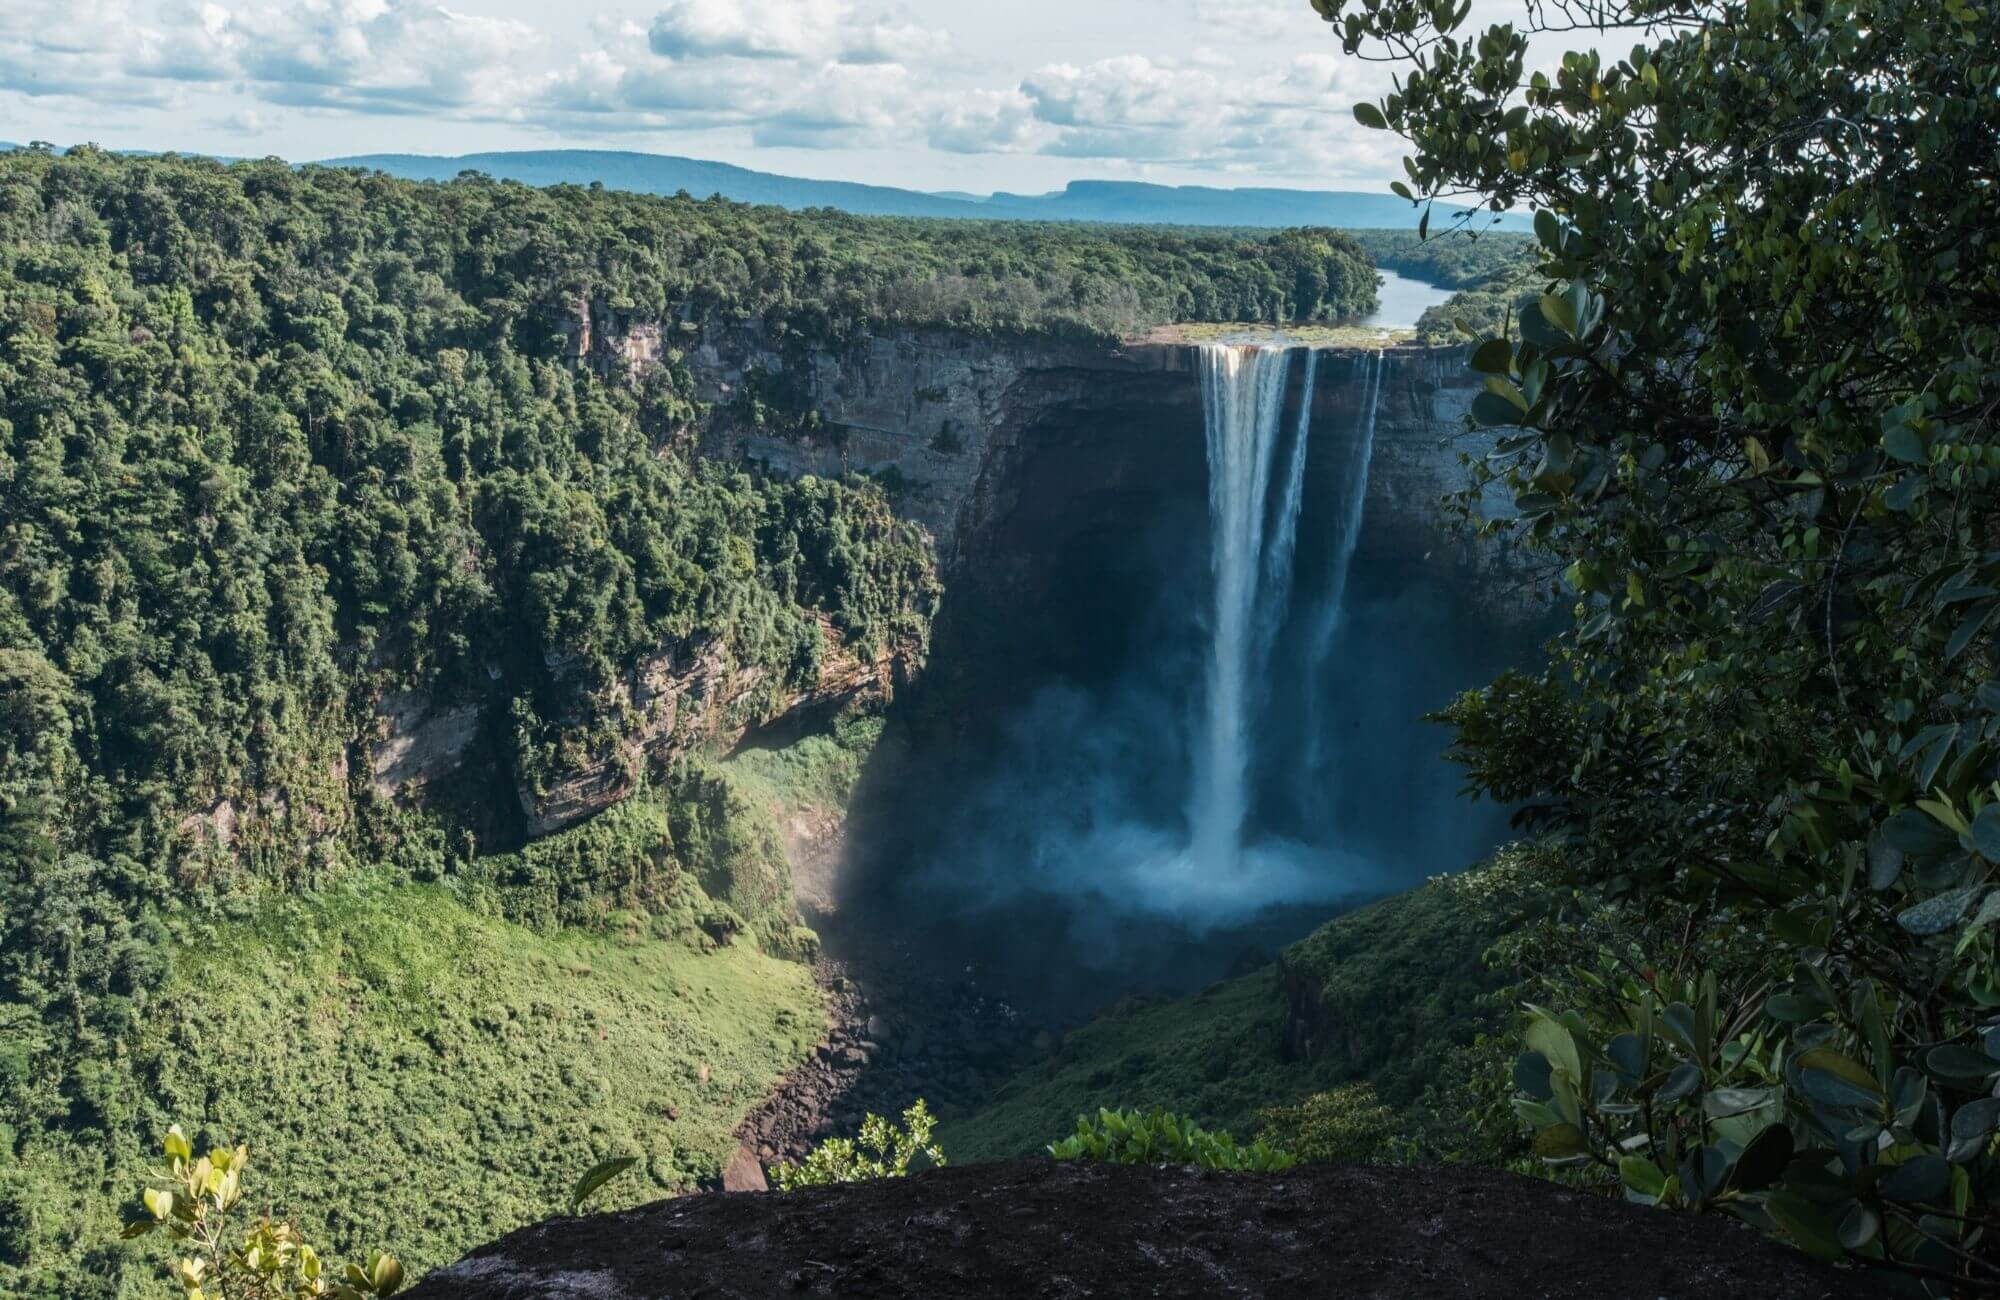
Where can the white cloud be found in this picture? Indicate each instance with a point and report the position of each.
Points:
(379, 55)
(801, 74)
(796, 30)
(746, 29)
(364, 55)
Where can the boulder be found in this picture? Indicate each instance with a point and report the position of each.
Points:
(743, 1173)
(1077, 1229)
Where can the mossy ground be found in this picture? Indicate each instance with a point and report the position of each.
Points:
(416, 1075)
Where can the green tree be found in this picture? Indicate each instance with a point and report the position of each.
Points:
(1751, 419)
(883, 1150)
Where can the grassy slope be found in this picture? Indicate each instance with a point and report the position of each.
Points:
(1217, 1056)
(1404, 973)
(415, 1075)
(818, 771)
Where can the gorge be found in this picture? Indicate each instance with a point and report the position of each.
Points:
(477, 665)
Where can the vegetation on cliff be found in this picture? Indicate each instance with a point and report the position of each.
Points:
(277, 445)
(1393, 998)
(1752, 413)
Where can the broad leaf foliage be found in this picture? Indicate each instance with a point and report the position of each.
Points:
(1751, 417)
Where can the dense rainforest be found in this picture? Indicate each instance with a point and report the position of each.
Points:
(277, 445)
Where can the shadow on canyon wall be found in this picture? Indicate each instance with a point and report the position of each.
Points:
(1024, 822)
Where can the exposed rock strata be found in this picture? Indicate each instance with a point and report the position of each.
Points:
(1011, 450)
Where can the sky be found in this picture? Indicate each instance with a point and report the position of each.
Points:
(972, 95)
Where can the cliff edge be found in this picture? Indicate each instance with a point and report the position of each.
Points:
(1040, 1228)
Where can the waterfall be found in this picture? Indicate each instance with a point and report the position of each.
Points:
(1277, 580)
(1346, 534)
(1243, 395)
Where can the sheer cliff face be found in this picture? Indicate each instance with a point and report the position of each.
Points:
(1008, 447)
(1040, 466)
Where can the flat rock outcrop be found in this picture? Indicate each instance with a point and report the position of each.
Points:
(1042, 1229)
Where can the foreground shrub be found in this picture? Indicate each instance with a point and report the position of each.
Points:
(1749, 421)
(1158, 1137)
(193, 1200)
(882, 1151)
(1348, 1125)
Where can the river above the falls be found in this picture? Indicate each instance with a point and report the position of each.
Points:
(1401, 302)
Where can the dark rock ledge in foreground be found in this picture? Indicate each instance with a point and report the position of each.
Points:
(1042, 1229)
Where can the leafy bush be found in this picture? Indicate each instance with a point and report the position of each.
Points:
(1749, 417)
(883, 1150)
(193, 1200)
(1349, 1125)
(1158, 1137)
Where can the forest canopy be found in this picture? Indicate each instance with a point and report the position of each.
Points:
(276, 443)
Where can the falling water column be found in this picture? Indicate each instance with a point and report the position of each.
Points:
(1346, 532)
(1243, 394)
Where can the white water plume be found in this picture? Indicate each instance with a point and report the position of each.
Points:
(1243, 395)
(1346, 534)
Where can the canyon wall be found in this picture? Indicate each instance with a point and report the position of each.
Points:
(1018, 454)
(966, 431)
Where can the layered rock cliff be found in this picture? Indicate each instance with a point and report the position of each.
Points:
(1016, 453)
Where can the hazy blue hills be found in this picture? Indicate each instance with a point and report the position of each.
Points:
(1138, 203)
(1128, 202)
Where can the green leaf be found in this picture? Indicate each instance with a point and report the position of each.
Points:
(1531, 1075)
(1627, 1053)
(1859, 1226)
(387, 1275)
(1558, 311)
(1906, 445)
(596, 1177)
(1724, 1103)
(1974, 622)
(1684, 1081)
(1495, 411)
(1642, 1176)
(1936, 915)
(1885, 862)
(1985, 833)
(1830, 1079)
(1971, 1125)
(1989, 912)
(1802, 1221)
(1904, 495)
(1493, 357)
(1370, 116)
(1763, 1161)
(1918, 834)
(1548, 229)
(1560, 1142)
(1956, 1064)
(1794, 1008)
(1925, 1178)
(1556, 1045)
(176, 1144)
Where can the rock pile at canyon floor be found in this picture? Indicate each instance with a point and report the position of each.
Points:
(1043, 1229)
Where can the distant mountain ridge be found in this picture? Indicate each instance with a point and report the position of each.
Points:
(1121, 202)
